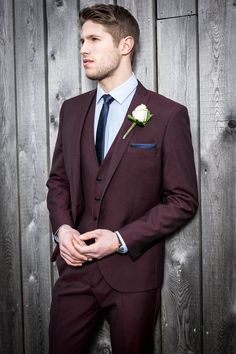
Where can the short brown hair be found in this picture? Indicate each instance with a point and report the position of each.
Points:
(118, 21)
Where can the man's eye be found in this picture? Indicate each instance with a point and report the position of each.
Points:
(94, 39)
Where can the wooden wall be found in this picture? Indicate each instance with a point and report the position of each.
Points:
(187, 52)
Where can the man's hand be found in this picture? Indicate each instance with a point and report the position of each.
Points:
(105, 242)
(69, 240)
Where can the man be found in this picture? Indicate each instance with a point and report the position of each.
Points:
(117, 187)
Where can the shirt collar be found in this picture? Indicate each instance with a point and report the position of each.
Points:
(121, 92)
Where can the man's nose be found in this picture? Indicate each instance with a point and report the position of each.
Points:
(84, 48)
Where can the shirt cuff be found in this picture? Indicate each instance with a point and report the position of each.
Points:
(55, 236)
(123, 248)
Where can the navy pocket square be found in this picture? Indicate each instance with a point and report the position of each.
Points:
(143, 146)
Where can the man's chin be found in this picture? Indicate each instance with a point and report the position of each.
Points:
(93, 76)
(98, 76)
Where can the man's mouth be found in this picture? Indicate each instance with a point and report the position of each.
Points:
(87, 62)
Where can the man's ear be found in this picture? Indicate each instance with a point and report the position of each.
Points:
(126, 45)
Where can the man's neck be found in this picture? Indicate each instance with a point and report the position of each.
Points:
(109, 83)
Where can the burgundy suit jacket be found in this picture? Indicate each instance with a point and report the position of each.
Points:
(149, 190)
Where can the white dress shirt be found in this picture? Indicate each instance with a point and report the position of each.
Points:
(122, 95)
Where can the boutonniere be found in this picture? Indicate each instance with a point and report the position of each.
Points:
(140, 116)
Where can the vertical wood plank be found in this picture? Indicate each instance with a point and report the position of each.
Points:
(63, 58)
(87, 84)
(63, 63)
(33, 171)
(11, 334)
(217, 29)
(181, 310)
(175, 8)
(177, 79)
(145, 60)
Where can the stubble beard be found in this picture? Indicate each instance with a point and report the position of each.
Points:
(103, 72)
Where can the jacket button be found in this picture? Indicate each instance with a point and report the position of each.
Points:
(95, 218)
(97, 199)
(99, 179)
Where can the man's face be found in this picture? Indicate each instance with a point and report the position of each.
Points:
(101, 58)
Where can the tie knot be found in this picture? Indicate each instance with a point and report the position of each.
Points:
(107, 99)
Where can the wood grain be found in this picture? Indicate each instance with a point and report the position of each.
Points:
(40, 66)
(63, 54)
(33, 171)
(217, 29)
(63, 64)
(175, 8)
(11, 329)
(177, 79)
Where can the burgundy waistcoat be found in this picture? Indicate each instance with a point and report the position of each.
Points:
(92, 177)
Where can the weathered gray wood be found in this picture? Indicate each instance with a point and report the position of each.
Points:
(26, 146)
(145, 61)
(175, 8)
(33, 171)
(102, 342)
(63, 54)
(63, 63)
(11, 334)
(177, 79)
(217, 29)
(87, 84)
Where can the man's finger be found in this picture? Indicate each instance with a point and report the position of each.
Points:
(74, 255)
(78, 242)
(71, 262)
(89, 250)
(88, 236)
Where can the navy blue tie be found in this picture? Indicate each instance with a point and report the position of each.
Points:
(100, 136)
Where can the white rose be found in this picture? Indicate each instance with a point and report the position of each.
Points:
(140, 113)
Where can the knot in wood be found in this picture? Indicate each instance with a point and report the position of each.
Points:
(52, 55)
(59, 3)
(52, 118)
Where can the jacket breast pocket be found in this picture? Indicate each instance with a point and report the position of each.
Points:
(142, 148)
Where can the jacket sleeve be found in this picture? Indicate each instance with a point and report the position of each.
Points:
(58, 198)
(179, 200)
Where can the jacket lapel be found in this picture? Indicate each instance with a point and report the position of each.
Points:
(120, 145)
(75, 168)
(80, 117)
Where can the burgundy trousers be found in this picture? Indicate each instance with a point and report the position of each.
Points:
(82, 299)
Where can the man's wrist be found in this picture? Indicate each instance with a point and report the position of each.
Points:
(61, 228)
